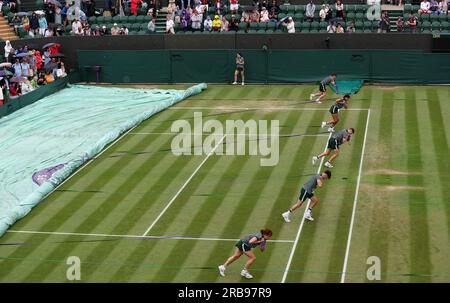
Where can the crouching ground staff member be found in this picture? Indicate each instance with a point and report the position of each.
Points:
(244, 246)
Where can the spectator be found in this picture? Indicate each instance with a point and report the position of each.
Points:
(49, 32)
(42, 25)
(170, 25)
(383, 24)
(3, 85)
(25, 85)
(424, 7)
(185, 19)
(77, 28)
(115, 30)
(34, 23)
(273, 5)
(323, 12)
(234, 24)
(290, 25)
(134, 6)
(60, 71)
(26, 23)
(216, 24)
(8, 49)
(48, 77)
(58, 16)
(329, 14)
(264, 17)
(25, 68)
(310, 10)
(234, 6)
(399, 24)
(13, 6)
(339, 29)
(331, 28)
(87, 30)
(151, 26)
(218, 6)
(103, 31)
(97, 31)
(196, 20)
(17, 68)
(434, 6)
(443, 7)
(225, 24)
(412, 23)
(16, 23)
(14, 90)
(351, 27)
(273, 15)
(207, 24)
(339, 6)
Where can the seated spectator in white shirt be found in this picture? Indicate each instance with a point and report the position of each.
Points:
(207, 25)
(170, 26)
(196, 20)
(77, 27)
(424, 7)
(290, 25)
(264, 17)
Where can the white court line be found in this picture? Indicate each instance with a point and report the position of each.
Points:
(132, 236)
(184, 185)
(208, 134)
(355, 202)
(302, 221)
(261, 108)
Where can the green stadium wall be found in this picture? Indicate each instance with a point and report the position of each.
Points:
(273, 66)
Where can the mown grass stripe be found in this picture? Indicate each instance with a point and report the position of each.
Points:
(419, 254)
(381, 216)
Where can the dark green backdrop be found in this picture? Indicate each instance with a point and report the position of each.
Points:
(276, 66)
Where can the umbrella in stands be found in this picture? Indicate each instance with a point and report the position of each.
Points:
(55, 2)
(39, 12)
(51, 66)
(21, 14)
(57, 55)
(5, 64)
(48, 45)
(21, 55)
(17, 79)
(5, 73)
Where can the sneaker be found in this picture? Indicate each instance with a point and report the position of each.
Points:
(323, 124)
(308, 216)
(330, 129)
(328, 164)
(222, 270)
(246, 274)
(318, 102)
(314, 159)
(243, 83)
(234, 83)
(286, 217)
(311, 96)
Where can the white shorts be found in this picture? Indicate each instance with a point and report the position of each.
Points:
(234, 7)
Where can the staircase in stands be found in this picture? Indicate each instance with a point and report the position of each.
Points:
(161, 21)
(6, 31)
(393, 12)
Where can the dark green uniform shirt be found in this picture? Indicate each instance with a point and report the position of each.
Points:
(246, 239)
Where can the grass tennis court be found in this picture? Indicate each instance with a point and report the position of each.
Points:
(138, 213)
